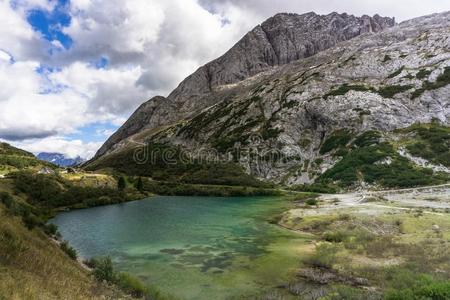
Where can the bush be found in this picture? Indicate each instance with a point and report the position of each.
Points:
(319, 187)
(130, 284)
(337, 139)
(312, 202)
(6, 199)
(423, 73)
(324, 256)
(396, 73)
(51, 229)
(121, 184)
(407, 285)
(31, 221)
(334, 236)
(441, 81)
(345, 88)
(71, 252)
(140, 184)
(399, 173)
(392, 90)
(103, 269)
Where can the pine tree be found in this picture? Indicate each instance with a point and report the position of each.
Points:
(121, 184)
(140, 184)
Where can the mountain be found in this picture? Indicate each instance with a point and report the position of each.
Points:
(59, 159)
(333, 100)
(13, 159)
(279, 40)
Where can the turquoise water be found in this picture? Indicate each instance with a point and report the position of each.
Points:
(190, 247)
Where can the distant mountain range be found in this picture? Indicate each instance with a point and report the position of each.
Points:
(60, 159)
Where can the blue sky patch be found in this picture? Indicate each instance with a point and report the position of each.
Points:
(50, 23)
(95, 132)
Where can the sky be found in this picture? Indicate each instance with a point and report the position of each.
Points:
(72, 71)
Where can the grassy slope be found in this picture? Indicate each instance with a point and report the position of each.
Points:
(372, 157)
(13, 159)
(32, 267)
(157, 167)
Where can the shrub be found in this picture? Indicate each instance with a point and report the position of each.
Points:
(132, 285)
(140, 184)
(432, 143)
(423, 73)
(312, 202)
(362, 161)
(407, 285)
(392, 90)
(121, 184)
(324, 256)
(396, 73)
(71, 252)
(368, 138)
(51, 229)
(31, 221)
(6, 199)
(337, 139)
(441, 81)
(103, 269)
(345, 88)
(318, 187)
(334, 236)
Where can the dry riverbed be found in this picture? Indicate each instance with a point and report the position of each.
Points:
(365, 242)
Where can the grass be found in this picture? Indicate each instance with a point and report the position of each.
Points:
(31, 267)
(354, 247)
(12, 159)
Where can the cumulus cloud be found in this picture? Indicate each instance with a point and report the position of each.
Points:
(401, 10)
(122, 53)
(17, 38)
(57, 144)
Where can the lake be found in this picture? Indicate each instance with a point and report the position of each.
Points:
(191, 247)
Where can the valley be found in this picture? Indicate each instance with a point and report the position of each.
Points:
(310, 161)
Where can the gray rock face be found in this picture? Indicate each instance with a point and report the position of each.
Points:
(381, 81)
(280, 40)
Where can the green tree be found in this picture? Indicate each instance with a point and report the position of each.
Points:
(139, 184)
(121, 184)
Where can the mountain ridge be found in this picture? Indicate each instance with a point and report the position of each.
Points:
(60, 159)
(377, 82)
(267, 45)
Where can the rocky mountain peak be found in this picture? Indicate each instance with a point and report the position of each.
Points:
(279, 40)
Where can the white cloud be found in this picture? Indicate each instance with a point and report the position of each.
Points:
(70, 148)
(29, 107)
(110, 92)
(151, 45)
(16, 36)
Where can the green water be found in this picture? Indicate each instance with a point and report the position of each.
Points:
(190, 247)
